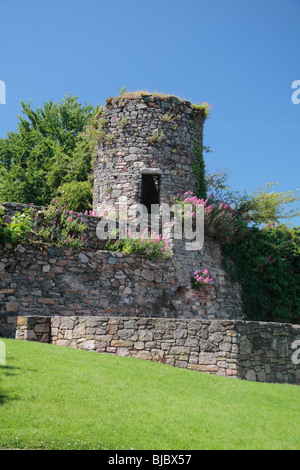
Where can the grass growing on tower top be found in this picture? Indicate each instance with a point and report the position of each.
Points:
(140, 93)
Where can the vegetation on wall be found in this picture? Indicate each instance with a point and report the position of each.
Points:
(265, 257)
(54, 225)
(18, 229)
(62, 228)
(259, 251)
(151, 246)
(266, 262)
(221, 221)
(198, 167)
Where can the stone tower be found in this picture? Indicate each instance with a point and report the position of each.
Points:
(146, 149)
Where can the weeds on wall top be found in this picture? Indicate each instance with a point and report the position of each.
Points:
(62, 228)
(55, 225)
(151, 246)
(18, 229)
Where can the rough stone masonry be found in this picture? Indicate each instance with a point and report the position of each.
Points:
(119, 304)
(255, 351)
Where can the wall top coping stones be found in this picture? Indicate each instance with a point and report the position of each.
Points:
(153, 99)
(212, 322)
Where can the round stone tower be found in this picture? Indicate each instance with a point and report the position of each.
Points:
(145, 150)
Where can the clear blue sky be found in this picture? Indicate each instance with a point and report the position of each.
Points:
(240, 55)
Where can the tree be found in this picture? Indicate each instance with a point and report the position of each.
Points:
(45, 152)
(262, 206)
(76, 196)
(268, 206)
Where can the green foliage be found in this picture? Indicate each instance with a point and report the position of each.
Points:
(76, 195)
(263, 205)
(151, 247)
(62, 229)
(18, 229)
(1, 226)
(198, 167)
(94, 133)
(221, 222)
(267, 264)
(45, 152)
(168, 117)
(59, 226)
(204, 107)
(156, 136)
(122, 123)
(123, 90)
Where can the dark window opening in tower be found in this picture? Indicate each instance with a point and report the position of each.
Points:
(150, 190)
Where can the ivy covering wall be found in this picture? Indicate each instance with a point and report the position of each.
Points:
(267, 264)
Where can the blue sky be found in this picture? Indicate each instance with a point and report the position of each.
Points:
(240, 55)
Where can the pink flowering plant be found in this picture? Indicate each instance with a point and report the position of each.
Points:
(221, 221)
(201, 278)
(63, 228)
(151, 246)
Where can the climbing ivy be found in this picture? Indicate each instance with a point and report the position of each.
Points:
(266, 262)
(198, 167)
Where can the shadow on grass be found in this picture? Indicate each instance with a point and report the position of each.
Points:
(7, 371)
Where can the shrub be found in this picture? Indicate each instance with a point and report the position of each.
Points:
(221, 222)
(76, 196)
(20, 226)
(151, 247)
(266, 262)
(63, 228)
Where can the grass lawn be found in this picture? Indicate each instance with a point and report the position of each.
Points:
(53, 397)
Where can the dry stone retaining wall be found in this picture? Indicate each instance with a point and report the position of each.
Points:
(253, 351)
(40, 279)
(90, 221)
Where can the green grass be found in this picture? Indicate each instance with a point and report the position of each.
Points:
(53, 397)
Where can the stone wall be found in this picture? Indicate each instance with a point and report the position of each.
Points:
(39, 279)
(90, 221)
(254, 351)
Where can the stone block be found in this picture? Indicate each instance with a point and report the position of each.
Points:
(12, 307)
